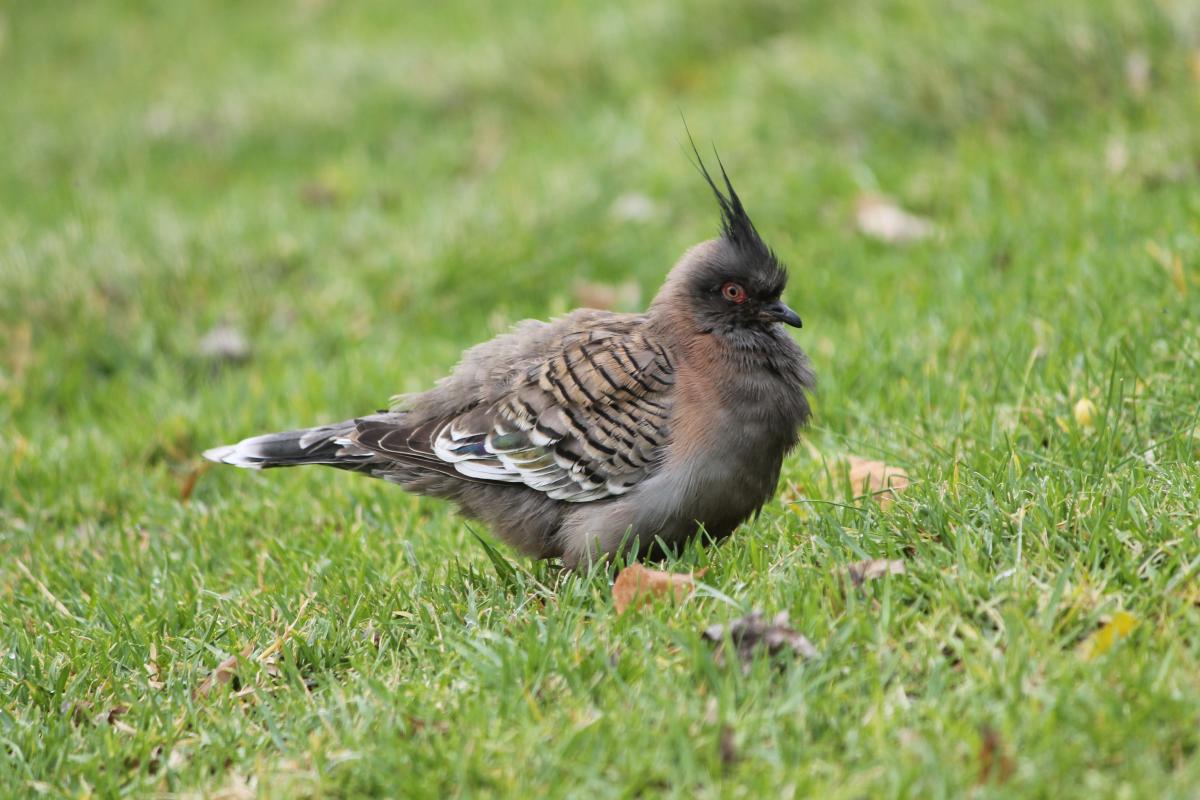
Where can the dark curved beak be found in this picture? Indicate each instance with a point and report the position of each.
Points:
(779, 312)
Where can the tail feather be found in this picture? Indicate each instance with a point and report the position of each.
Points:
(328, 444)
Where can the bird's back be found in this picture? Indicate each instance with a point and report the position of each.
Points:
(487, 371)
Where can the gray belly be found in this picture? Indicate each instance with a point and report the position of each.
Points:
(726, 487)
(714, 489)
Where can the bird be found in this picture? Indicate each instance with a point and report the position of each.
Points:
(598, 433)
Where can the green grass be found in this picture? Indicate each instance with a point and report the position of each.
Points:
(365, 191)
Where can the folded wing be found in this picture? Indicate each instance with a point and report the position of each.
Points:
(589, 422)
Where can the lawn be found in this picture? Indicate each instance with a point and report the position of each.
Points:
(361, 192)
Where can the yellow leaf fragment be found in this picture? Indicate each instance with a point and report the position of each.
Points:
(1085, 413)
(1113, 631)
(637, 585)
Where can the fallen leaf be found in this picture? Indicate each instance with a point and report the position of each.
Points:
(189, 481)
(636, 585)
(107, 717)
(223, 674)
(177, 760)
(881, 219)
(633, 207)
(994, 761)
(1085, 413)
(319, 195)
(1111, 632)
(113, 717)
(152, 671)
(607, 296)
(877, 479)
(418, 725)
(155, 762)
(330, 186)
(752, 633)
(224, 343)
(873, 569)
(371, 634)
(77, 710)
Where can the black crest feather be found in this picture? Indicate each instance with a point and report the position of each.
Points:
(735, 222)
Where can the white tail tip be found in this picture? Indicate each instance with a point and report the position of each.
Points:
(229, 455)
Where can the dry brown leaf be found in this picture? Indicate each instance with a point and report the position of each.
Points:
(328, 188)
(881, 219)
(154, 763)
(637, 585)
(873, 569)
(320, 194)
(77, 710)
(634, 207)
(371, 634)
(113, 714)
(994, 761)
(881, 481)
(607, 296)
(152, 671)
(418, 725)
(177, 759)
(189, 481)
(752, 633)
(223, 674)
(113, 717)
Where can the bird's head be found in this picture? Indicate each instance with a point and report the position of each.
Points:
(730, 286)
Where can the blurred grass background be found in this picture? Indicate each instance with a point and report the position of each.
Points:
(363, 190)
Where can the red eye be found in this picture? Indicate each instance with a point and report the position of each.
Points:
(733, 292)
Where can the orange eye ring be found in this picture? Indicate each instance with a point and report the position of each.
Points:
(733, 292)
